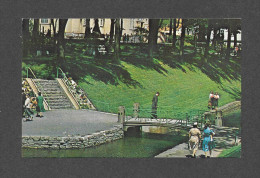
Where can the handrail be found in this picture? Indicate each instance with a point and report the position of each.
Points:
(38, 84)
(71, 92)
(68, 84)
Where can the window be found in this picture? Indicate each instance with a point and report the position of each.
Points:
(44, 21)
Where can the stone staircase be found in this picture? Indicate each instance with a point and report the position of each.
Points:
(53, 94)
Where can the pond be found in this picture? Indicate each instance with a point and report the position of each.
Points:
(134, 145)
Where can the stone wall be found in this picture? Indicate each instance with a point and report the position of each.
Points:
(73, 142)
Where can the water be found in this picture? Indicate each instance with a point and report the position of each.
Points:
(134, 145)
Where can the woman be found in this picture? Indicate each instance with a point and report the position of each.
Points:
(194, 139)
(211, 99)
(40, 107)
(208, 144)
(216, 97)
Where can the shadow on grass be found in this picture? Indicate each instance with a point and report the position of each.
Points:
(104, 68)
(216, 67)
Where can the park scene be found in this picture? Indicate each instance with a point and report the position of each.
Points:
(131, 88)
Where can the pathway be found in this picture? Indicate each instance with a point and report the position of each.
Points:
(224, 138)
(69, 122)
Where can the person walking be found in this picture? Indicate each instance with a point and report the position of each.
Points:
(208, 143)
(28, 106)
(40, 106)
(194, 139)
(154, 105)
(23, 102)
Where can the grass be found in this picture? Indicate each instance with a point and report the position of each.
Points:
(179, 91)
(184, 84)
(234, 152)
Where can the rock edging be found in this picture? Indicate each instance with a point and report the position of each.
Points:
(73, 142)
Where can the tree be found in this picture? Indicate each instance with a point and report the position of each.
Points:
(117, 39)
(153, 35)
(54, 25)
(60, 35)
(209, 29)
(183, 27)
(112, 27)
(170, 32)
(121, 28)
(35, 32)
(174, 33)
(26, 36)
(229, 40)
(96, 28)
(87, 29)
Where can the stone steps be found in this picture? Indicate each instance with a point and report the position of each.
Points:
(53, 94)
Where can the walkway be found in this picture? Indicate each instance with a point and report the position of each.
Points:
(224, 138)
(69, 122)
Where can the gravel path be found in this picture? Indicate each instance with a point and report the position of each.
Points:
(69, 122)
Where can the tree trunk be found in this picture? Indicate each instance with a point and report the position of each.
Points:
(229, 41)
(87, 29)
(214, 41)
(202, 32)
(121, 28)
(60, 44)
(35, 28)
(112, 30)
(235, 38)
(153, 35)
(96, 27)
(170, 32)
(182, 36)
(117, 39)
(54, 27)
(174, 34)
(208, 37)
(26, 36)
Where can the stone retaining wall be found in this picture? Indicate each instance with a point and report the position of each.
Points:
(73, 142)
(230, 107)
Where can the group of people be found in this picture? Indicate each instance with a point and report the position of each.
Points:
(208, 143)
(213, 100)
(30, 103)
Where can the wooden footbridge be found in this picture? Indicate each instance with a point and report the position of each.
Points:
(185, 120)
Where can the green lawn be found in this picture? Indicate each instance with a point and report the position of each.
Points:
(234, 152)
(179, 91)
(184, 84)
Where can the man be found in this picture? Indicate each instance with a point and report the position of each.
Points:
(194, 138)
(154, 105)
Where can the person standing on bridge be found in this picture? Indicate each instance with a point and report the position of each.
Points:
(194, 139)
(215, 103)
(154, 105)
(40, 106)
(211, 100)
